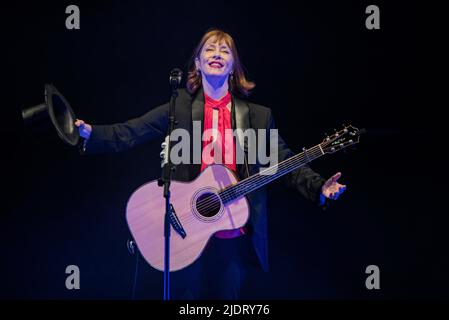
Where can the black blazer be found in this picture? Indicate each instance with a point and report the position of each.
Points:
(154, 124)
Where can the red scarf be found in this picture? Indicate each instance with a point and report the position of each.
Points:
(223, 123)
(225, 144)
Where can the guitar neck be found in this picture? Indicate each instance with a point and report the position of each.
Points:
(270, 174)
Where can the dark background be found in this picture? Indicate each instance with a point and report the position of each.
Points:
(315, 64)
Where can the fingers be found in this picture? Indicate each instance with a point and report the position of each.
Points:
(336, 176)
(79, 122)
(336, 194)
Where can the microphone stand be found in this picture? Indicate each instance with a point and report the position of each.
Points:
(175, 79)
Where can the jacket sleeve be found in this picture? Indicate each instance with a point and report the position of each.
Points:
(306, 181)
(122, 136)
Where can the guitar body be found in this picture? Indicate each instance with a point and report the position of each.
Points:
(199, 210)
(201, 207)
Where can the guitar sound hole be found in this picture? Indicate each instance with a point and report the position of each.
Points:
(208, 204)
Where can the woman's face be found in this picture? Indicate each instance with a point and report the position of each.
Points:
(215, 59)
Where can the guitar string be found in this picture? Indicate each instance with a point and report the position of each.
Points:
(290, 165)
(224, 193)
(313, 152)
(253, 182)
(278, 170)
(261, 178)
(270, 174)
(292, 161)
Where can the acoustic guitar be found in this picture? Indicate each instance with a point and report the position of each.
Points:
(214, 201)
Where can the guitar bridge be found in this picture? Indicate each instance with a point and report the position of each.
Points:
(175, 223)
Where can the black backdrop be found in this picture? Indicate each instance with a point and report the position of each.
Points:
(315, 64)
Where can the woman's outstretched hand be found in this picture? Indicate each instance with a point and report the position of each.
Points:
(331, 189)
(84, 128)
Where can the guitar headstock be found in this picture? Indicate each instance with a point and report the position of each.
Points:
(348, 136)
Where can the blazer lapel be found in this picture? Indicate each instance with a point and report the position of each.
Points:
(196, 142)
(241, 120)
(198, 107)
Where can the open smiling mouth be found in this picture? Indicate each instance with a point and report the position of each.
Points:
(216, 64)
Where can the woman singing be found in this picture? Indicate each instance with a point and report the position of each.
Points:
(215, 95)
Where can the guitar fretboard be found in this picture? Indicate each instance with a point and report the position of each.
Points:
(270, 174)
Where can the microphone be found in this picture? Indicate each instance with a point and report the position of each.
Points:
(175, 77)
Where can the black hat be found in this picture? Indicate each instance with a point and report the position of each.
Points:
(58, 111)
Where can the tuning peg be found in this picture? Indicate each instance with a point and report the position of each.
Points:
(162, 154)
(336, 132)
(163, 144)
